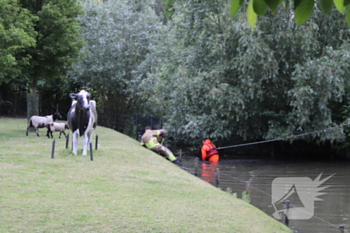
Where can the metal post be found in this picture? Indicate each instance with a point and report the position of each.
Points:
(67, 140)
(196, 166)
(341, 228)
(91, 156)
(286, 211)
(247, 187)
(96, 142)
(217, 177)
(137, 126)
(53, 149)
(180, 154)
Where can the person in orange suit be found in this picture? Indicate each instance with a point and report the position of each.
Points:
(209, 151)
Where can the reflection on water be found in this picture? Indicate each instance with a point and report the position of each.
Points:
(318, 191)
(208, 172)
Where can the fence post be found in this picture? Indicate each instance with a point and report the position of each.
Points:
(67, 140)
(217, 177)
(53, 149)
(196, 166)
(96, 142)
(137, 126)
(341, 228)
(180, 154)
(247, 187)
(91, 156)
(286, 212)
(32, 104)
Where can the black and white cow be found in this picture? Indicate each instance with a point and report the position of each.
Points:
(82, 119)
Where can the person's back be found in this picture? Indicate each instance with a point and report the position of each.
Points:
(149, 138)
(152, 140)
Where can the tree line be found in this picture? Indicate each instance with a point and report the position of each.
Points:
(208, 75)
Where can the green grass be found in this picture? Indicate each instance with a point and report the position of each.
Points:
(127, 188)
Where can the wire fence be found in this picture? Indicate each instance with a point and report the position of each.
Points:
(142, 121)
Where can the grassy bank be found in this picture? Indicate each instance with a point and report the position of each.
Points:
(126, 188)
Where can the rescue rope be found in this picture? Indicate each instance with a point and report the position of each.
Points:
(280, 139)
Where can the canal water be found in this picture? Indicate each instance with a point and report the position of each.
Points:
(318, 191)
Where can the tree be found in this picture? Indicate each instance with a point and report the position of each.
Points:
(17, 34)
(217, 79)
(302, 8)
(119, 35)
(57, 41)
(168, 8)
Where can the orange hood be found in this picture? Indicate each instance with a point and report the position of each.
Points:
(207, 141)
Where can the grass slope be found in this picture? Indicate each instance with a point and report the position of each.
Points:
(127, 188)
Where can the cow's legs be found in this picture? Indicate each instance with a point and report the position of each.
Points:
(75, 141)
(85, 143)
(87, 140)
(89, 136)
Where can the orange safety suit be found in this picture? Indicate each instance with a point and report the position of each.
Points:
(209, 151)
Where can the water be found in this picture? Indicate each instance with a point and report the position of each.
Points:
(269, 180)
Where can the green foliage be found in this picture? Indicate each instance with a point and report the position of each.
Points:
(273, 4)
(119, 35)
(57, 42)
(302, 9)
(245, 196)
(17, 34)
(229, 191)
(340, 5)
(212, 77)
(259, 6)
(325, 6)
(168, 8)
(205, 73)
(39, 41)
(344, 114)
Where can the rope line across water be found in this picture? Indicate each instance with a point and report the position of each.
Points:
(280, 139)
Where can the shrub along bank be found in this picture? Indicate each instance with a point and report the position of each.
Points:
(126, 188)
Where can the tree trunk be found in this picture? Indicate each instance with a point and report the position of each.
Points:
(32, 102)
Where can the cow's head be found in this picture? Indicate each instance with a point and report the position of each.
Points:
(83, 99)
